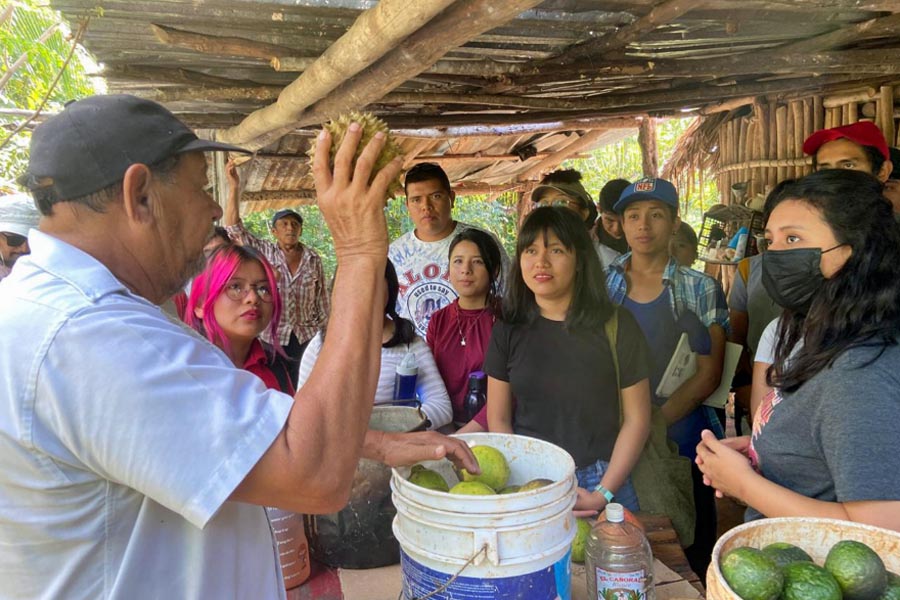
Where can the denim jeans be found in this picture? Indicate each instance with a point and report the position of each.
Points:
(589, 477)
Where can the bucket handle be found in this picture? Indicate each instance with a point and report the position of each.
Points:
(484, 548)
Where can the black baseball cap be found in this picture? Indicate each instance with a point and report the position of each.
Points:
(286, 212)
(92, 142)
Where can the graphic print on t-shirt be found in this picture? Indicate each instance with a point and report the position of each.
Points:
(766, 408)
(422, 293)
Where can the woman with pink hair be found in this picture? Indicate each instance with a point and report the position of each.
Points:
(232, 302)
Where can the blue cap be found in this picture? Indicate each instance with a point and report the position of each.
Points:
(648, 189)
(286, 212)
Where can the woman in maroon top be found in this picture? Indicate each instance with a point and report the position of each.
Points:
(459, 333)
(233, 300)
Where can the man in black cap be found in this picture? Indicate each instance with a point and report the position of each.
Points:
(135, 460)
(301, 278)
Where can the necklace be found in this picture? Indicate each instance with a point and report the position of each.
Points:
(470, 323)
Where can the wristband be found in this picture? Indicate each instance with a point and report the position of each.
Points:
(606, 493)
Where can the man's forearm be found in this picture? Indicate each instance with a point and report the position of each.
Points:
(232, 213)
(688, 397)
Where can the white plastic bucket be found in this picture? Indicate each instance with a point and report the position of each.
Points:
(516, 545)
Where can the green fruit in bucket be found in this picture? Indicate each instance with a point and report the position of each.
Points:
(535, 484)
(858, 569)
(427, 478)
(784, 554)
(581, 537)
(806, 581)
(493, 465)
(510, 489)
(472, 488)
(752, 574)
(892, 591)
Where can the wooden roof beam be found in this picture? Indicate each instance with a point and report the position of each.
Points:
(664, 12)
(588, 140)
(888, 25)
(374, 33)
(218, 45)
(455, 26)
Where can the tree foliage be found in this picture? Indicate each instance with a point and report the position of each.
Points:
(30, 83)
(623, 160)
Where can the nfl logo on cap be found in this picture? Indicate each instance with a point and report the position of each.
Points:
(645, 185)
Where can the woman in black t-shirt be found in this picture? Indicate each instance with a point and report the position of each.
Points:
(551, 352)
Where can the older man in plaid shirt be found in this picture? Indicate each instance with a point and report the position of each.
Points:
(301, 278)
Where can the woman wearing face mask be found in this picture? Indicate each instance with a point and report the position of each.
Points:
(824, 439)
(459, 333)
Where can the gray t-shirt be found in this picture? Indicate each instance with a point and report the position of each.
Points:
(835, 439)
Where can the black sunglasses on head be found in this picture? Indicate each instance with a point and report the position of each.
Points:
(14, 240)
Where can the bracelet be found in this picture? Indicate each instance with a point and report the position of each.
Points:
(606, 493)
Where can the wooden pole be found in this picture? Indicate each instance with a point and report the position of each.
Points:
(218, 45)
(886, 96)
(850, 34)
(551, 162)
(374, 33)
(781, 115)
(647, 142)
(818, 113)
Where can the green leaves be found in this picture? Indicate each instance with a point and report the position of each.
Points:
(35, 39)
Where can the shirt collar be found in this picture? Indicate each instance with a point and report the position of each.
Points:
(256, 356)
(621, 263)
(76, 267)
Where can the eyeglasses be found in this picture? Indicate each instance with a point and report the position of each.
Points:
(14, 240)
(238, 292)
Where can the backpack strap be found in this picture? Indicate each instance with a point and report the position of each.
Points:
(744, 269)
(611, 327)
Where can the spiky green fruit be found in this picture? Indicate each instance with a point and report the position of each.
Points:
(370, 125)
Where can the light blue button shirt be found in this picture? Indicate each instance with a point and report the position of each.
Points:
(121, 437)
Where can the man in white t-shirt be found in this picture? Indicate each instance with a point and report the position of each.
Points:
(135, 459)
(420, 256)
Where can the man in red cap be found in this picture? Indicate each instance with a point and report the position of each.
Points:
(860, 146)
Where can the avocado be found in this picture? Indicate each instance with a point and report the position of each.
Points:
(784, 554)
(858, 569)
(510, 489)
(472, 488)
(892, 591)
(427, 478)
(580, 542)
(806, 581)
(751, 574)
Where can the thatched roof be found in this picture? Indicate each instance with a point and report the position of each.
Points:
(444, 68)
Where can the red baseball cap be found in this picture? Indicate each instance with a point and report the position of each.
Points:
(864, 133)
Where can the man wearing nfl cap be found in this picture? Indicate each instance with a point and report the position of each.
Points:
(135, 460)
(860, 146)
(17, 216)
(301, 278)
(667, 301)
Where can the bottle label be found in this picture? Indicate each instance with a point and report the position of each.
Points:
(614, 585)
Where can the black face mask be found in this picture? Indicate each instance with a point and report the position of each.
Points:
(793, 277)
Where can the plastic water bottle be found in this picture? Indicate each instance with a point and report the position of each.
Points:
(476, 396)
(619, 563)
(405, 380)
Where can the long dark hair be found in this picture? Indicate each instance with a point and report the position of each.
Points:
(490, 255)
(860, 304)
(404, 331)
(591, 306)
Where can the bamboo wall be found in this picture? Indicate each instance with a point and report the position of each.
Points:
(765, 146)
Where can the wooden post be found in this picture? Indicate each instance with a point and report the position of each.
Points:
(818, 113)
(886, 100)
(647, 142)
(781, 115)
